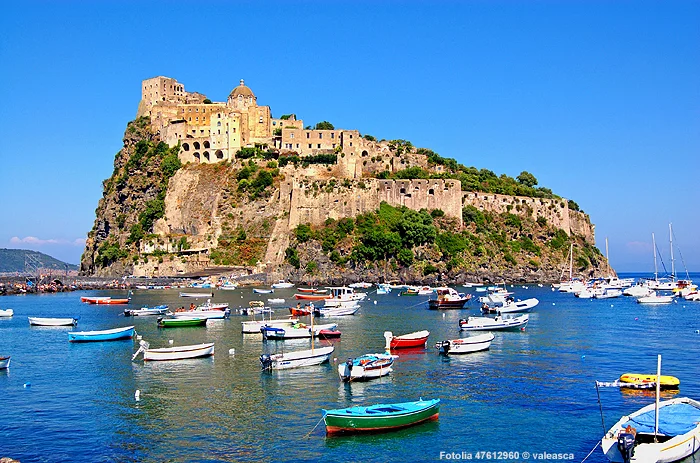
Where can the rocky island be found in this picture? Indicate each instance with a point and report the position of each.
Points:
(202, 185)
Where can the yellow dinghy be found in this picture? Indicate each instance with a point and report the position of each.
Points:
(667, 382)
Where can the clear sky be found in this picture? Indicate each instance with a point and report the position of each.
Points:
(600, 100)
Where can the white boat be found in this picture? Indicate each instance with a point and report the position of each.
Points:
(518, 306)
(143, 311)
(4, 362)
(692, 296)
(211, 314)
(366, 366)
(253, 326)
(342, 294)
(662, 432)
(654, 298)
(336, 311)
(281, 284)
(301, 358)
(361, 284)
(465, 345)
(277, 300)
(39, 321)
(7, 313)
(263, 291)
(174, 353)
(383, 288)
(228, 286)
(641, 289)
(185, 294)
(504, 322)
(296, 331)
(609, 293)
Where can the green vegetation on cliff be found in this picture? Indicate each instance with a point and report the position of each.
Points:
(428, 242)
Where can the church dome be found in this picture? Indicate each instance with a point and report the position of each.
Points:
(241, 90)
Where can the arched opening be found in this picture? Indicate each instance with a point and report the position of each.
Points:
(196, 156)
(196, 145)
(206, 155)
(365, 154)
(431, 191)
(219, 154)
(206, 144)
(402, 191)
(185, 146)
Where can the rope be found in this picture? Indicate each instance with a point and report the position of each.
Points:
(319, 422)
(589, 453)
(414, 305)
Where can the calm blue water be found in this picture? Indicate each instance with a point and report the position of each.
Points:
(533, 391)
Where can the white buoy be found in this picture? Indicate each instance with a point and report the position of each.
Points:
(232, 352)
(443, 315)
(554, 303)
(375, 302)
(170, 341)
(139, 337)
(137, 395)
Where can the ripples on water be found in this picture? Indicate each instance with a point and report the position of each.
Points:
(533, 391)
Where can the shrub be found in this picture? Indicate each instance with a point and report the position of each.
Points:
(291, 256)
(303, 232)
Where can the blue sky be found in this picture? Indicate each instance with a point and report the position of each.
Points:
(599, 100)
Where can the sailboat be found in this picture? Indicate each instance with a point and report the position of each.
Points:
(652, 297)
(660, 432)
(573, 285)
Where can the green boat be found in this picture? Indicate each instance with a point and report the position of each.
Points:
(380, 417)
(178, 322)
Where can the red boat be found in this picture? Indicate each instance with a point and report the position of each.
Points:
(93, 299)
(312, 297)
(111, 301)
(417, 339)
(328, 334)
(306, 290)
(300, 311)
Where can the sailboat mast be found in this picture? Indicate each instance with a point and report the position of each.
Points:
(658, 392)
(571, 261)
(606, 256)
(653, 245)
(673, 267)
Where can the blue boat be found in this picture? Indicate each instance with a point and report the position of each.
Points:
(380, 417)
(114, 334)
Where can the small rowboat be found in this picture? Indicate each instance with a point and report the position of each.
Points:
(115, 334)
(329, 334)
(366, 366)
(4, 362)
(306, 290)
(185, 294)
(7, 313)
(174, 353)
(93, 299)
(301, 358)
(667, 382)
(263, 291)
(68, 321)
(465, 345)
(181, 322)
(300, 311)
(416, 339)
(505, 322)
(312, 297)
(157, 310)
(112, 301)
(380, 417)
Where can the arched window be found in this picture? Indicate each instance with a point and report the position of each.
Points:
(196, 145)
(219, 154)
(431, 191)
(196, 157)
(206, 155)
(206, 144)
(365, 154)
(185, 146)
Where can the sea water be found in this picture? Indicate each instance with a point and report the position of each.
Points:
(531, 396)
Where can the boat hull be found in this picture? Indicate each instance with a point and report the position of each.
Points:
(7, 313)
(4, 363)
(181, 322)
(366, 367)
(417, 339)
(312, 297)
(38, 321)
(179, 353)
(494, 324)
(105, 335)
(253, 327)
(297, 359)
(466, 345)
(435, 304)
(358, 420)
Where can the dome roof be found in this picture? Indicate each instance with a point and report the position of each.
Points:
(241, 90)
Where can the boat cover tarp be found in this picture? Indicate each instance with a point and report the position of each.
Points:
(674, 420)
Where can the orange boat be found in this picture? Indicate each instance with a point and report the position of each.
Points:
(306, 290)
(93, 299)
(300, 311)
(312, 297)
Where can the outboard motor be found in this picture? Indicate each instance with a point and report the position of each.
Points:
(348, 369)
(445, 347)
(266, 362)
(625, 444)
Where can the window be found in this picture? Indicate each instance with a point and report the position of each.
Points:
(260, 121)
(291, 135)
(332, 135)
(274, 123)
(308, 135)
(319, 146)
(351, 136)
(350, 143)
(334, 145)
(320, 135)
(309, 145)
(297, 145)
(218, 124)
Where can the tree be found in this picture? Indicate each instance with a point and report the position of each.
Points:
(527, 179)
(325, 125)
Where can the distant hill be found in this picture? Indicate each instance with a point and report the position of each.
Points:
(12, 260)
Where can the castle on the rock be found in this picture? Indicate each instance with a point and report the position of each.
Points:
(211, 132)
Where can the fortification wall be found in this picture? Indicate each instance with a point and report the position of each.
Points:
(423, 194)
(556, 211)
